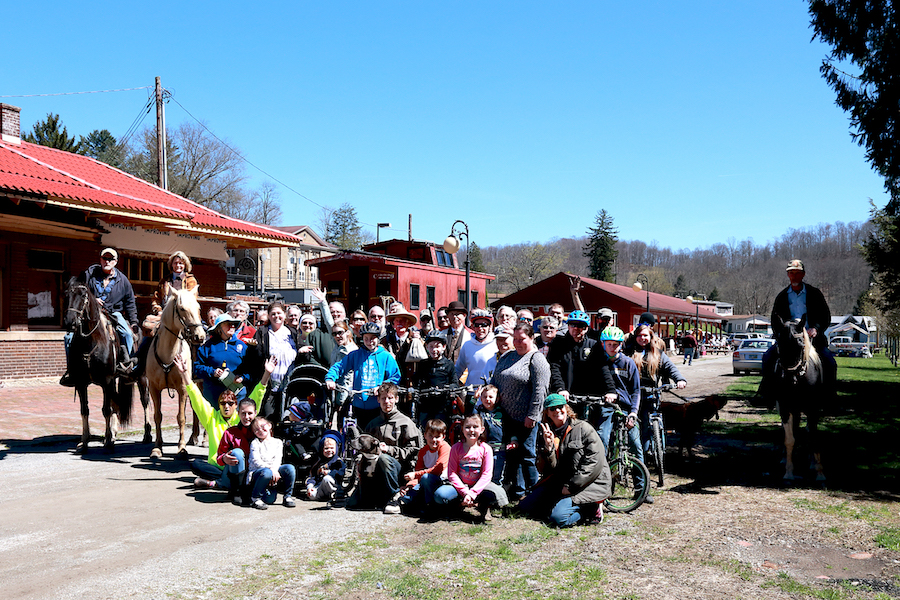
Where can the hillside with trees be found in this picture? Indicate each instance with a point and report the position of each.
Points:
(745, 273)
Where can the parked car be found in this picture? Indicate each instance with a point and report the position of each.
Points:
(737, 338)
(748, 356)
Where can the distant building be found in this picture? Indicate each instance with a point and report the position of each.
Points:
(280, 270)
(627, 304)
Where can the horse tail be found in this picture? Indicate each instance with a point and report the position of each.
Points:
(125, 401)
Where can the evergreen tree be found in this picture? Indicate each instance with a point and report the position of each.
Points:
(51, 132)
(103, 146)
(476, 262)
(714, 295)
(600, 248)
(344, 230)
(864, 36)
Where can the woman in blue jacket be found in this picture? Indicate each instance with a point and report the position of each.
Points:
(222, 351)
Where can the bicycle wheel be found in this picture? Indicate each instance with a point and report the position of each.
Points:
(658, 447)
(625, 495)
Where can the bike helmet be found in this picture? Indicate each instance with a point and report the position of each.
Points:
(373, 328)
(579, 316)
(613, 334)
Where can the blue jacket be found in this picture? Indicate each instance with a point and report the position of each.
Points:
(370, 369)
(210, 357)
(628, 382)
(118, 296)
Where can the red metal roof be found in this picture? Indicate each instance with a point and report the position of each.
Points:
(556, 289)
(29, 170)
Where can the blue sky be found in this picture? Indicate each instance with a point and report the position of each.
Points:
(690, 123)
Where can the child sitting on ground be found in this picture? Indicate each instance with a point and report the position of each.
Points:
(264, 469)
(492, 417)
(470, 471)
(431, 469)
(328, 471)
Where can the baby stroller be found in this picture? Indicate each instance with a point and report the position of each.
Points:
(307, 413)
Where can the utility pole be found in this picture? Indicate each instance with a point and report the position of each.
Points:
(162, 178)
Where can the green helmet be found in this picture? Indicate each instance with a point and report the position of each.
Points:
(612, 333)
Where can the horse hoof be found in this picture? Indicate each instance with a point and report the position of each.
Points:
(156, 453)
(81, 448)
(182, 454)
(108, 447)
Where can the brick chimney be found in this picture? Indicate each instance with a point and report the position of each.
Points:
(10, 130)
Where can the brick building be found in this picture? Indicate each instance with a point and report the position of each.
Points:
(58, 210)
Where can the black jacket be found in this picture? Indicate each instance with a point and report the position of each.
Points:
(570, 366)
(818, 314)
(121, 295)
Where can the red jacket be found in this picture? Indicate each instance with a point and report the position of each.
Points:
(234, 437)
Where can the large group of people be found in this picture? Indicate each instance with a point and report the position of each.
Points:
(505, 432)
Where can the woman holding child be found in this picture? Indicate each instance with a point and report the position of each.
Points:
(576, 475)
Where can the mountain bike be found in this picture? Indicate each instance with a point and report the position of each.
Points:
(630, 477)
(657, 428)
(349, 430)
(452, 410)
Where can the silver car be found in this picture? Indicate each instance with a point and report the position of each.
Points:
(748, 356)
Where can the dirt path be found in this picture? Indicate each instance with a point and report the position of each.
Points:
(118, 526)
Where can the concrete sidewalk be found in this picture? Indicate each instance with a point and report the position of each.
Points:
(34, 409)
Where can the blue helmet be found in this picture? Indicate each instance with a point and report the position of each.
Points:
(579, 316)
(612, 333)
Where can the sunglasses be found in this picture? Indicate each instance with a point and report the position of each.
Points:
(227, 403)
(338, 333)
(481, 324)
(359, 319)
(107, 258)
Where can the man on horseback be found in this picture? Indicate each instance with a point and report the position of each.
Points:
(116, 295)
(793, 302)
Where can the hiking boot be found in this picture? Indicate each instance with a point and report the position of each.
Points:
(289, 502)
(259, 504)
(125, 369)
(237, 501)
(67, 380)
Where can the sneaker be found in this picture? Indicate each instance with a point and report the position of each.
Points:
(648, 499)
(204, 484)
(259, 504)
(598, 518)
(237, 501)
(67, 380)
(392, 508)
(289, 502)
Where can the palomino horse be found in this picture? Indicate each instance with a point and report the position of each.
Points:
(92, 359)
(799, 388)
(180, 326)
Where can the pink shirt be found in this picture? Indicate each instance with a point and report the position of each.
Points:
(470, 471)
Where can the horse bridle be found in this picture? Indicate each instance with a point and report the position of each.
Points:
(185, 325)
(84, 295)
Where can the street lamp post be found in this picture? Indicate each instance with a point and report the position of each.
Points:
(263, 257)
(637, 286)
(378, 228)
(451, 245)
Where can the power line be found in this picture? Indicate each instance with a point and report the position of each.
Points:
(266, 173)
(146, 87)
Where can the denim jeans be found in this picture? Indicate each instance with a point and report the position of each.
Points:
(491, 495)
(688, 356)
(260, 481)
(206, 470)
(521, 468)
(422, 494)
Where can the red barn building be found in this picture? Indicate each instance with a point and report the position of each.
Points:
(417, 273)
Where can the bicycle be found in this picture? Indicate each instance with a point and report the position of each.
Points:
(657, 428)
(453, 411)
(626, 494)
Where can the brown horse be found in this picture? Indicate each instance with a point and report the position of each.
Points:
(180, 326)
(92, 358)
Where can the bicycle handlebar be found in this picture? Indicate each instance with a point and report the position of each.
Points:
(657, 390)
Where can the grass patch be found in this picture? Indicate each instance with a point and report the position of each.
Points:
(889, 538)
